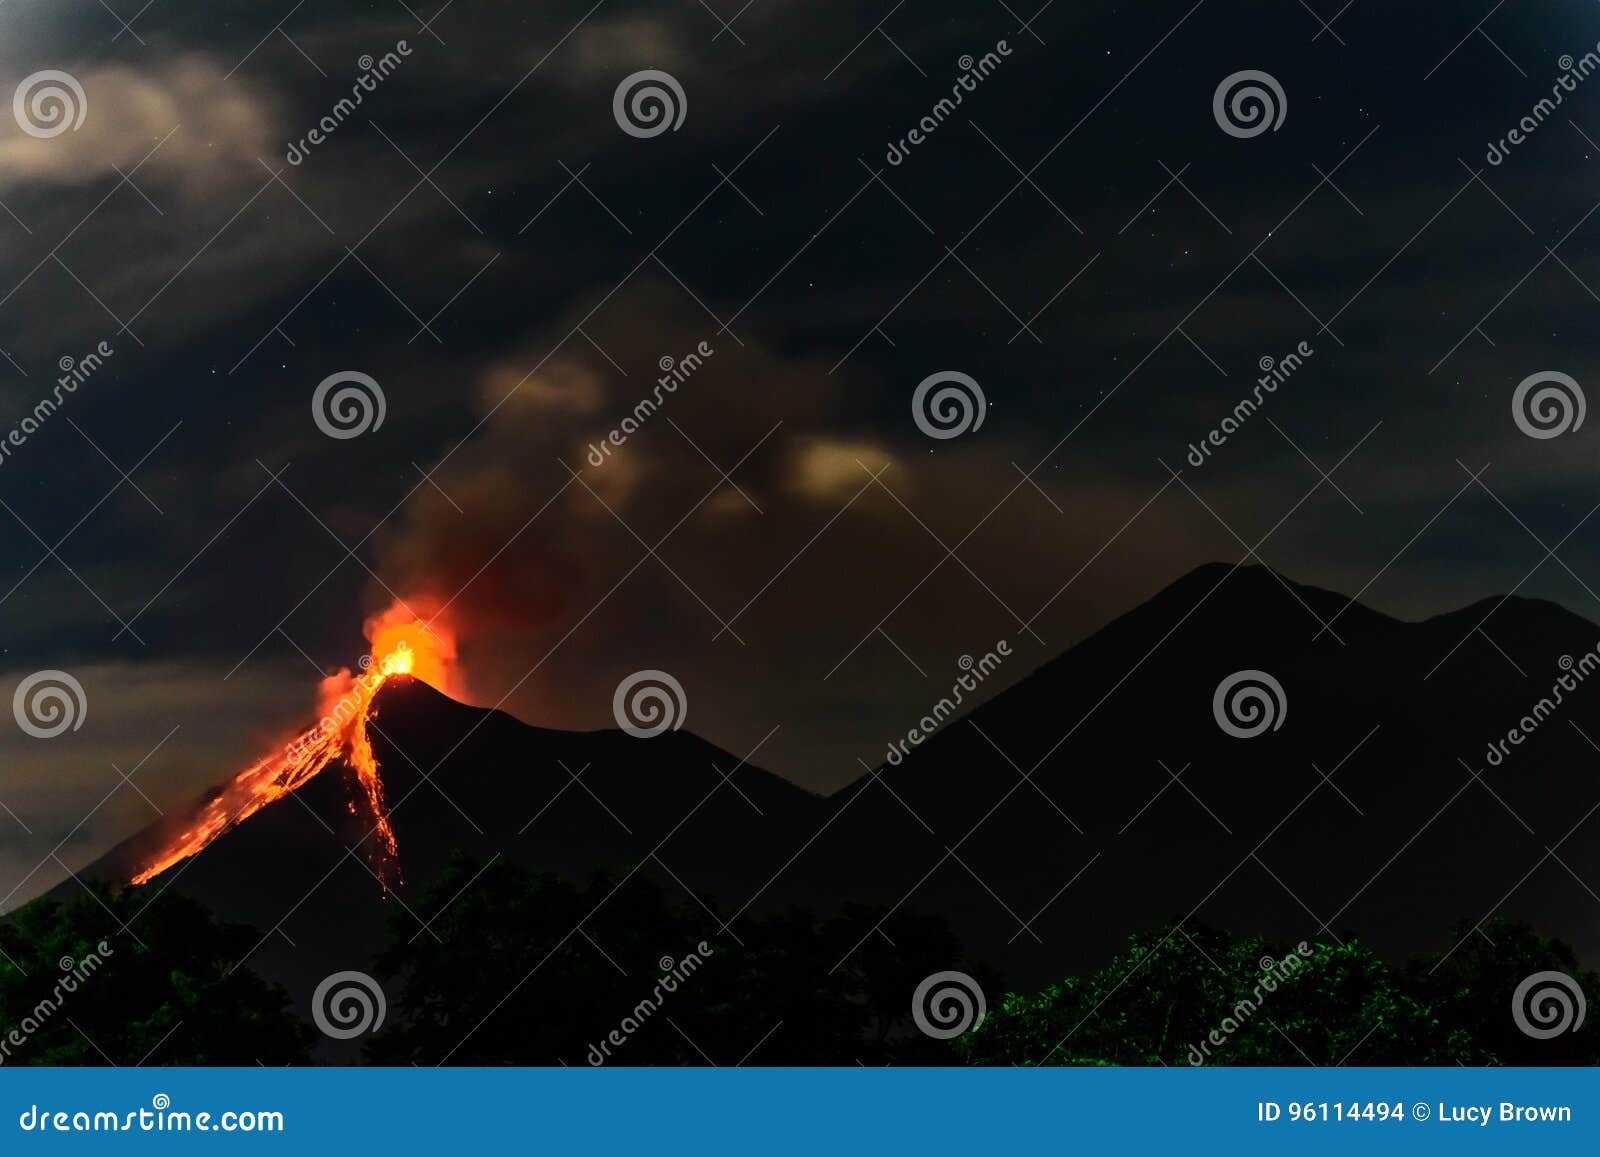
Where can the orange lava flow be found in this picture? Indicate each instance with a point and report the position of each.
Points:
(403, 643)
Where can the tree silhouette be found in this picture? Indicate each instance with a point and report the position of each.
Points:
(1200, 997)
(529, 968)
(76, 988)
(1472, 986)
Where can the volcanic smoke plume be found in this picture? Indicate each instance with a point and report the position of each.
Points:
(410, 638)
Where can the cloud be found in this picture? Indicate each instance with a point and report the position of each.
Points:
(565, 387)
(736, 539)
(210, 127)
(826, 468)
(608, 50)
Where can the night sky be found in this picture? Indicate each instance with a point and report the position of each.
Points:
(1080, 237)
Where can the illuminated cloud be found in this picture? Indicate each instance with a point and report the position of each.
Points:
(827, 469)
(211, 128)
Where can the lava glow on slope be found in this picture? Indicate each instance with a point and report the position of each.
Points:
(406, 640)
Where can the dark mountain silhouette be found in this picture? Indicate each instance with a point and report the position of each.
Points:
(1361, 812)
(1046, 824)
(462, 778)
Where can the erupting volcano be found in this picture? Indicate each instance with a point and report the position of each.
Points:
(403, 642)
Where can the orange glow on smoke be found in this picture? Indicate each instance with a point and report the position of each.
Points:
(410, 638)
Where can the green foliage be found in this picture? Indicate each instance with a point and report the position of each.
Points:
(529, 968)
(1201, 997)
(1473, 986)
(76, 989)
(526, 967)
